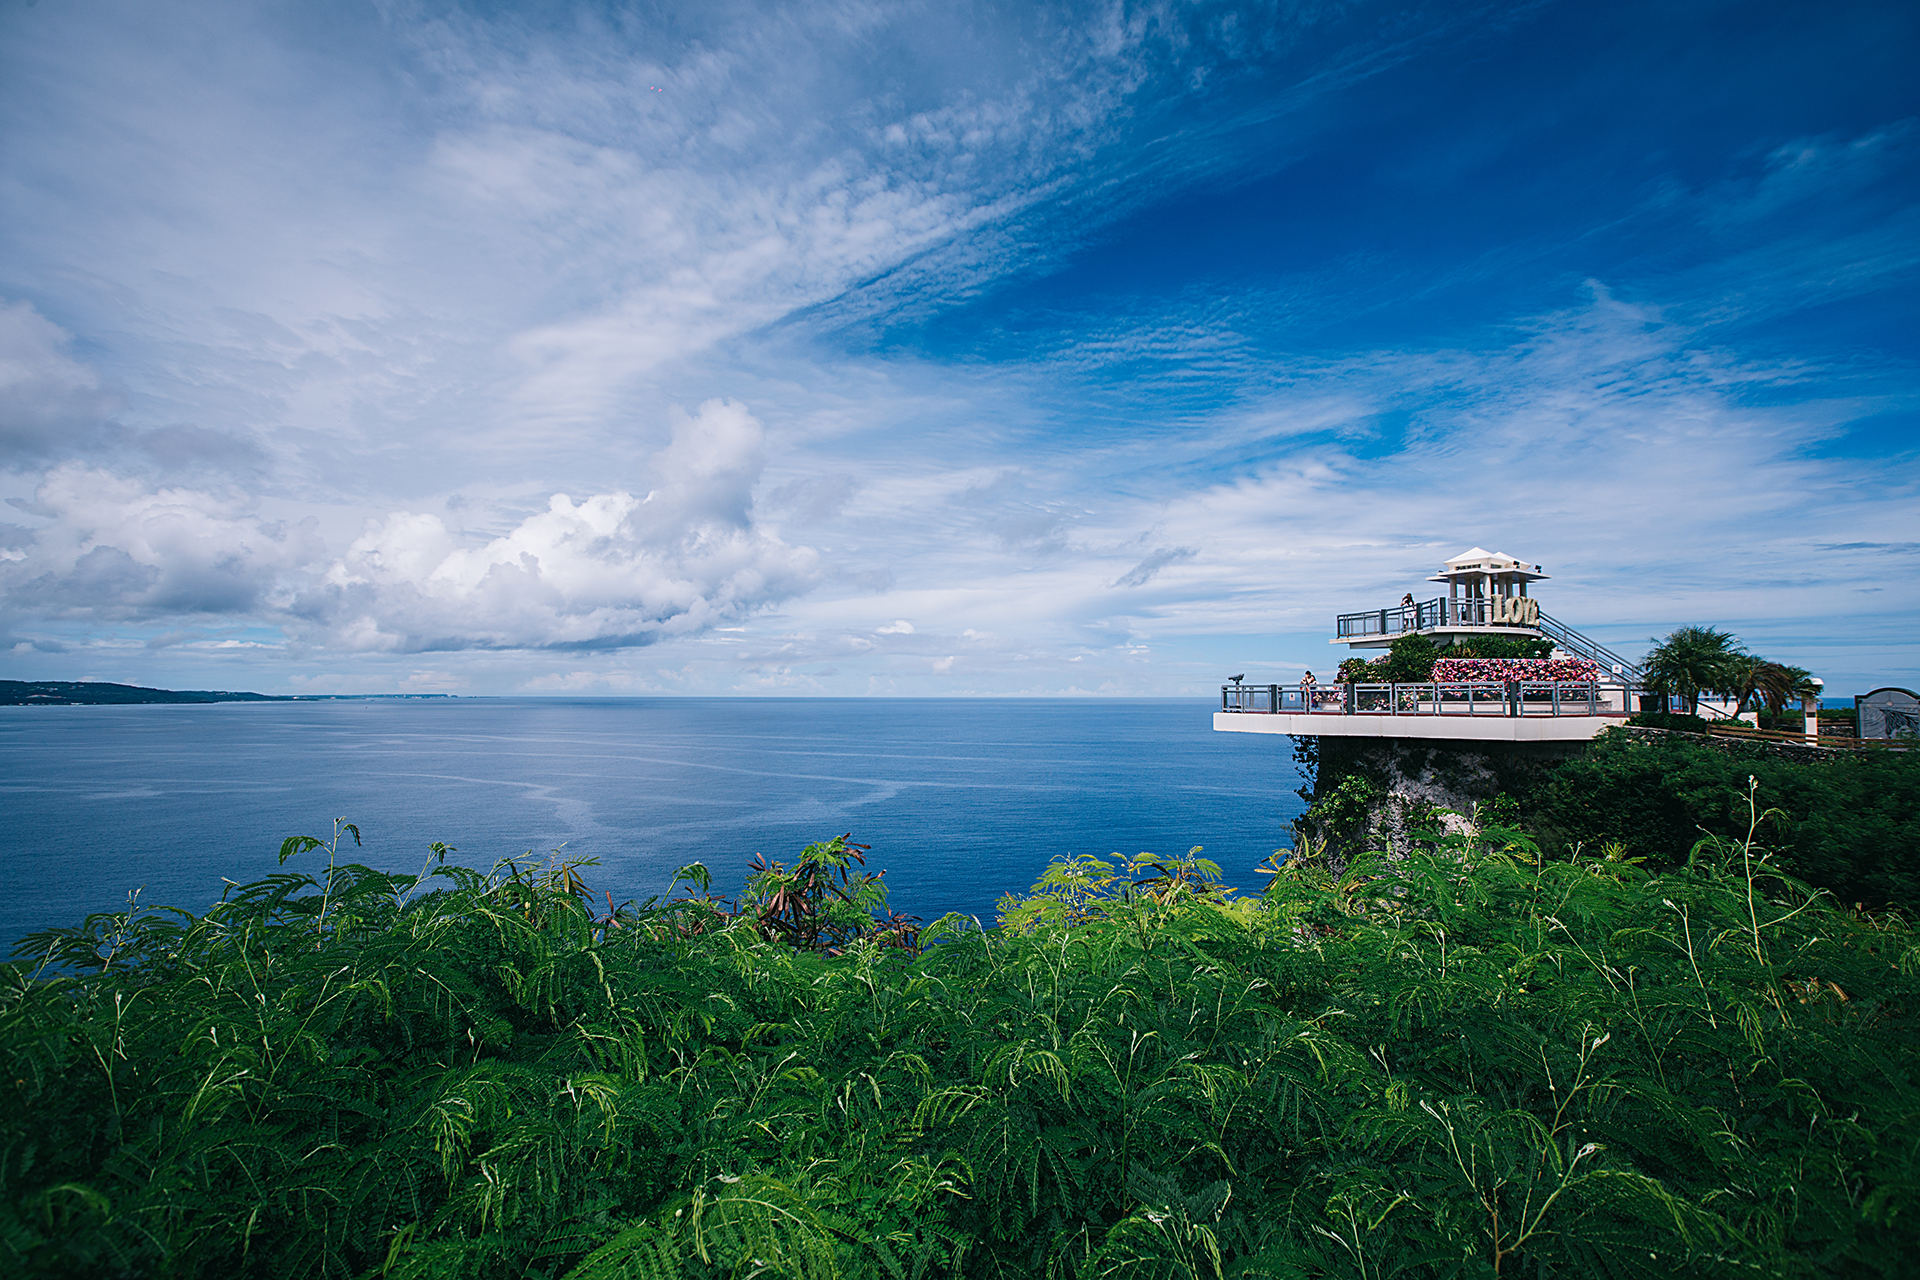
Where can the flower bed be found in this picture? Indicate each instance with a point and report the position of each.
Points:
(1571, 670)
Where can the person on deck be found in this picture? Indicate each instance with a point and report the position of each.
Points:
(1306, 691)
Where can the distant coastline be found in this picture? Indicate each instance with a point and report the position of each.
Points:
(96, 693)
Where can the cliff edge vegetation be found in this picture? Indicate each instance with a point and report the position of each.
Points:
(1844, 821)
(1468, 1060)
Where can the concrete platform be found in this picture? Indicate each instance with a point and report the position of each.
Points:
(1451, 728)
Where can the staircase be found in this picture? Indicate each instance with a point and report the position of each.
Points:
(1585, 647)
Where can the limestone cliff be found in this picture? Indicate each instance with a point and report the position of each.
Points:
(1374, 793)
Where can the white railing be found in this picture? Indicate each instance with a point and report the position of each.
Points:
(1442, 612)
(1435, 698)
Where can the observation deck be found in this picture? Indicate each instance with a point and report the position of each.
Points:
(1486, 596)
(1475, 710)
(1583, 688)
(1377, 628)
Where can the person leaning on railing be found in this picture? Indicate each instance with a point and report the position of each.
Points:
(1307, 683)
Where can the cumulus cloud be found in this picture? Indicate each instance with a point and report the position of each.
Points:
(607, 571)
(610, 571)
(116, 550)
(437, 277)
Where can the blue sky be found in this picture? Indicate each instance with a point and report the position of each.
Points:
(929, 349)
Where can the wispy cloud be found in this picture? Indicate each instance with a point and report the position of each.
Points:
(50, 403)
(323, 348)
(1144, 572)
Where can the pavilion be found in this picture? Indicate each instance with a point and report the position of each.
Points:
(1488, 593)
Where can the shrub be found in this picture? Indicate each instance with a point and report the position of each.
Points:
(1501, 647)
(1340, 819)
(1789, 721)
(1472, 1061)
(1673, 722)
(1850, 824)
(1409, 660)
(1354, 671)
(1416, 659)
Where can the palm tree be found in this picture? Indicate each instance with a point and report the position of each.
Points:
(1780, 684)
(1743, 676)
(1755, 679)
(1693, 661)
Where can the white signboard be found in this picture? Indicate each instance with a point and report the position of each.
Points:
(1889, 713)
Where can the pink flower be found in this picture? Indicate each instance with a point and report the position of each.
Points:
(1565, 670)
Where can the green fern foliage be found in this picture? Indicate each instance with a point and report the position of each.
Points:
(1466, 1061)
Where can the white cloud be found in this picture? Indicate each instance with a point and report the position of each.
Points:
(611, 570)
(438, 235)
(116, 550)
(608, 571)
(388, 328)
(1827, 168)
(1659, 476)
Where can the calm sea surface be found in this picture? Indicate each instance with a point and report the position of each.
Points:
(961, 800)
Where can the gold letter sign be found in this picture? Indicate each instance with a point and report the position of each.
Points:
(1515, 611)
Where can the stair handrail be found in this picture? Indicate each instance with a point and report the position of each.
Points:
(1588, 647)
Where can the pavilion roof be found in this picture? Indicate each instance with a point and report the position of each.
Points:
(1477, 560)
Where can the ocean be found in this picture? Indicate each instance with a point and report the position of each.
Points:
(962, 800)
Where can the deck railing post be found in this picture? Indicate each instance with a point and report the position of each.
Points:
(1418, 698)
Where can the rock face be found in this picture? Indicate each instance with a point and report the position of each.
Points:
(1374, 793)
